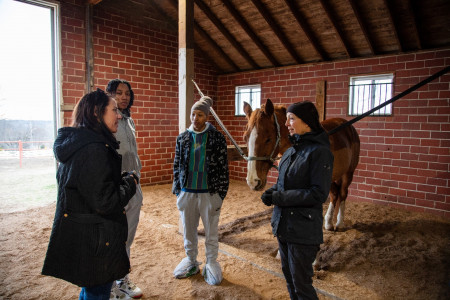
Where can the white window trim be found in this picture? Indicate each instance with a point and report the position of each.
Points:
(372, 95)
(239, 104)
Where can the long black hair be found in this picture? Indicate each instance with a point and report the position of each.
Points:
(112, 89)
(89, 113)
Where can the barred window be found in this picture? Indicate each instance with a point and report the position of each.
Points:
(367, 92)
(250, 94)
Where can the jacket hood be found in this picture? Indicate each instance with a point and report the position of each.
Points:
(71, 139)
(208, 126)
(315, 137)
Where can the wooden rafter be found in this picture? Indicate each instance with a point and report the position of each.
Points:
(336, 26)
(212, 17)
(362, 26)
(237, 16)
(216, 47)
(206, 55)
(277, 30)
(412, 10)
(208, 39)
(306, 29)
(394, 24)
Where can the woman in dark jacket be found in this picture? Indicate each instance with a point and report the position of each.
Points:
(302, 187)
(87, 243)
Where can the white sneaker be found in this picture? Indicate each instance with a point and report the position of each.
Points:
(129, 288)
(186, 268)
(117, 294)
(212, 272)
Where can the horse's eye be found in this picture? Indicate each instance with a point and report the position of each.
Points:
(267, 141)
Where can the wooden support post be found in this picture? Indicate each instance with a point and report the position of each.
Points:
(320, 98)
(89, 48)
(186, 62)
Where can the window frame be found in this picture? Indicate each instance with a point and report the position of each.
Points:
(239, 102)
(373, 95)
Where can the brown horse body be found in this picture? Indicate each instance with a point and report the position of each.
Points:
(261, 137)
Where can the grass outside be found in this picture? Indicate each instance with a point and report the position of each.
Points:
(29, 186)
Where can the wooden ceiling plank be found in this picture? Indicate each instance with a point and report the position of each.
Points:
(226, 33)
(277, 30)
(413, 11)
(363, 26)
(216, 47)
(388, 5)
(237, 16)
(306, 29)
(333, 21)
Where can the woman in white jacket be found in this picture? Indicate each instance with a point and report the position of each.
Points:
(126, 135)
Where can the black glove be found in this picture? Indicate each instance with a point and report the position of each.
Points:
(266, 197)
(133, 174)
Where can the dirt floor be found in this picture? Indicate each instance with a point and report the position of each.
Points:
(384, 253)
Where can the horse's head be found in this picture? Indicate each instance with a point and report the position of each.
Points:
(266, 137)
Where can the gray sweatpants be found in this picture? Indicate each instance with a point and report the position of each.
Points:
(133, 210)
(192, 207)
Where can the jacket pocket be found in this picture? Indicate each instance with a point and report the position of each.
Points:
(304, 225)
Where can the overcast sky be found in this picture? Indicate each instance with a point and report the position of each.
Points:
(25, 62)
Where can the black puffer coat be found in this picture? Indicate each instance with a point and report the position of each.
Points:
(302, 187)
(87, 243)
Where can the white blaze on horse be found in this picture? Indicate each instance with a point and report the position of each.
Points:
(267, 137)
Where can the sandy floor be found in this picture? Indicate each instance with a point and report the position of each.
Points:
(384, 253)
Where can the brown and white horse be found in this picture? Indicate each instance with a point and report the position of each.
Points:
(267, 137)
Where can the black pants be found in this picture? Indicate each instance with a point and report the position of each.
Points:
(296, 263)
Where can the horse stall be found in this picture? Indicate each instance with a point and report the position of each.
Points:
(393, 241)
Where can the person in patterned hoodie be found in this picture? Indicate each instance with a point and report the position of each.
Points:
(200, 183)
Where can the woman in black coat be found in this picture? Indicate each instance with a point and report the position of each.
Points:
(87, 243)
(303, 184)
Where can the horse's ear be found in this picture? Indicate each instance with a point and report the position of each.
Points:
(247, 109)
(268, 108)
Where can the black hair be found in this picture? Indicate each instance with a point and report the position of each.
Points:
(112, 88)
(89, 113)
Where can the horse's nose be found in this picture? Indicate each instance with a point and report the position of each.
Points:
(253, 183)
(258, 182)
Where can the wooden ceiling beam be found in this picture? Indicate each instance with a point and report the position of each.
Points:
(363, 26)
(306, 29)
(277, 30)
(205, 36)
(171, 23)
(388, 5)
(216, 47)
(208, 58)
(237, 16)
(212, 17)
(336, 27)
(413, 11)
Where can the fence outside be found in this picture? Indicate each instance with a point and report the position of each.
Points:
(26, 149)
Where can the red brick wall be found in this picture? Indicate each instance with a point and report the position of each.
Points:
(405, 158)
(148, 59)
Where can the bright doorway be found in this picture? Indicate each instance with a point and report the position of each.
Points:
(29, 96)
